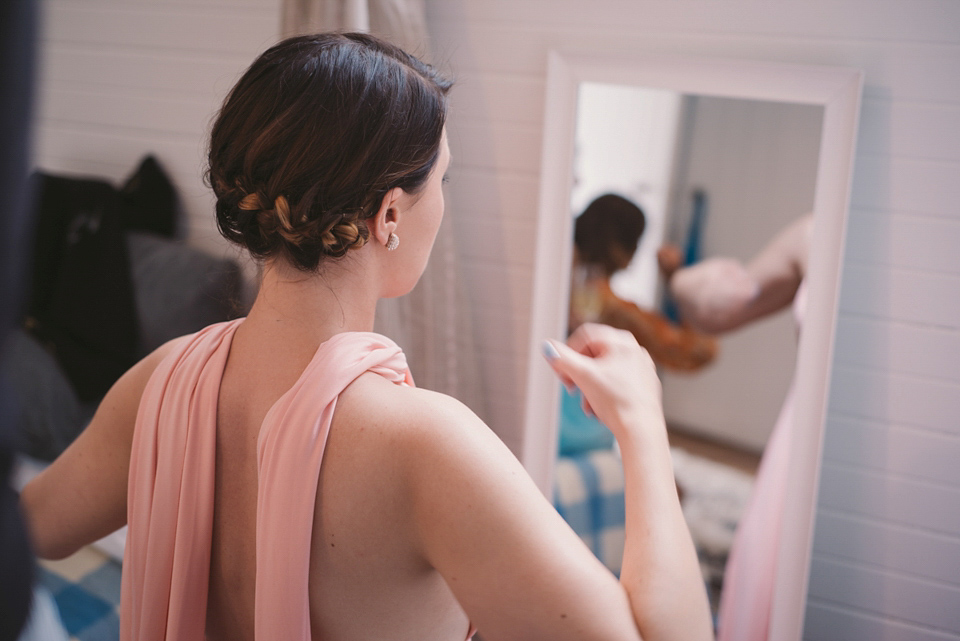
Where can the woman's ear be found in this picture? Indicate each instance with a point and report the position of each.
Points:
(385, 221)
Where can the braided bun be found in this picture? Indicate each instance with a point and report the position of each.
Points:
(312, 138)
(280, 228)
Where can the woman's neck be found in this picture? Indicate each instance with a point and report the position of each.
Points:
(312, 307)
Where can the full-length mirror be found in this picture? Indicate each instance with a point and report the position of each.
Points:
(718, 161)
(715, 181)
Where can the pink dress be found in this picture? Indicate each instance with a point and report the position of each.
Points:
(166, 563)
(751, 571)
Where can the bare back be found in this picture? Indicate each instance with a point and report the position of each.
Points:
(408, 475)
(368, 579)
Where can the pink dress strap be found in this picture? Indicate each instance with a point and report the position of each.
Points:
(171, 485)
(289, 468)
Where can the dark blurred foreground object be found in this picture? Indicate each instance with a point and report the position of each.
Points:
(109, 284)
(17, 40)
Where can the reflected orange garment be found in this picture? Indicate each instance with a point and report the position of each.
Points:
(672, 346)
(166, 563)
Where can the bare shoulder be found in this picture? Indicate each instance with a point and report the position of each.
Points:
(429, 441)
(117, 411)
(477, 518)
(136, 378)
(445, 457)
(412, 418)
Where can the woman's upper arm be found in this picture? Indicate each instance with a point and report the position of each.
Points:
(82, 495)
(515, 566)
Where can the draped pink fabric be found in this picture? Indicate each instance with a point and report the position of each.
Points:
(166, 563)
(751, 571)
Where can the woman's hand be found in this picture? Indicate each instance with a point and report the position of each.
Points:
(669, 259)
(616, 376)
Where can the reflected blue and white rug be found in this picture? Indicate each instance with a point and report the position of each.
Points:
(86, 592)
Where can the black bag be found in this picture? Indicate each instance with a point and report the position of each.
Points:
(81, 304)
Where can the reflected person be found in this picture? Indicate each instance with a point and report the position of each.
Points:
(606, 236)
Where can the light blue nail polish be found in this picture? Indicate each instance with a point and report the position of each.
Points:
(549, 351)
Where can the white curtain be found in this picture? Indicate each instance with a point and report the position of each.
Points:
(402, 22)
(433, 322)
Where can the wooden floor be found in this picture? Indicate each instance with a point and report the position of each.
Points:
(720, 452)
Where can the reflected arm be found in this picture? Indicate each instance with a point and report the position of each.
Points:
(674, 346)
(721, 294)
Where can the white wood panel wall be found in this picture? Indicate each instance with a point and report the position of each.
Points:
(887, 546)
(123, 78)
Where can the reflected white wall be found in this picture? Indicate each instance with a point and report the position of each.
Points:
(625, 141)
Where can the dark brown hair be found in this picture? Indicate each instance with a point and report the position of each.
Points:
(608, 231)
(314, 135)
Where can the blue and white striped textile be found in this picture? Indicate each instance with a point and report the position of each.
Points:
(588, 494)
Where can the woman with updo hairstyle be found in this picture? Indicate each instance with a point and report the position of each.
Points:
(313, 137)
(282, 477)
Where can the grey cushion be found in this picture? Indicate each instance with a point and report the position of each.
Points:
(50, 415)
(179, 289)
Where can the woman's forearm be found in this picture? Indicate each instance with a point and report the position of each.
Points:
(660, 570)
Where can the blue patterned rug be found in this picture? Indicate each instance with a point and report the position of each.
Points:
(84, 587)
(89, 604)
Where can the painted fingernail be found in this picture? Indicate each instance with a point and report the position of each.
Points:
(549, 351)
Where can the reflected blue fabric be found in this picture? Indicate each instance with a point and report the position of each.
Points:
(579, 432)
(589, 495)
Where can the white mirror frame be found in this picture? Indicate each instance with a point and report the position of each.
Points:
(838, 91)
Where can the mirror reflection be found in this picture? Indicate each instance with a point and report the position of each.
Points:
(691, 231)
